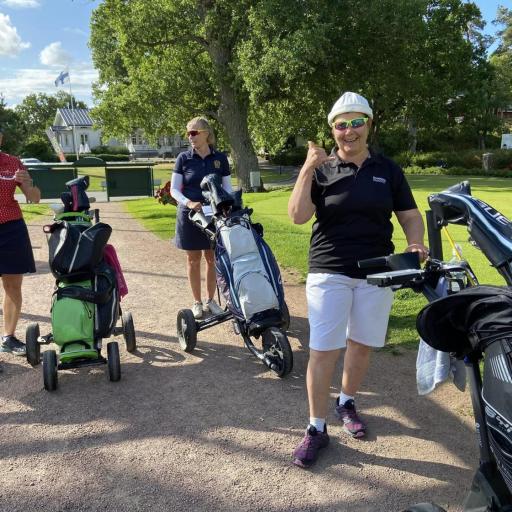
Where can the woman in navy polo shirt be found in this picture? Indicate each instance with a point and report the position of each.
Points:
(16, 256)
(353, 193)
(191, 167)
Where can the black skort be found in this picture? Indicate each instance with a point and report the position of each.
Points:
(16, 255)
(189, 237)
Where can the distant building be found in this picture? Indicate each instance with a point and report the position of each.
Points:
(85, 138)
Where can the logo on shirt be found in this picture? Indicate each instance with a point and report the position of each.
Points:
(379, 180)
(216, 164)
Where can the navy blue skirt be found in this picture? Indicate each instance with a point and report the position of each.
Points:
(188, 236)
(16, 255)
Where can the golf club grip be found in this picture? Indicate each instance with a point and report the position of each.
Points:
(381, 261)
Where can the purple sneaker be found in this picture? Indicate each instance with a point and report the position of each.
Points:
(352, 423)
(307, 451)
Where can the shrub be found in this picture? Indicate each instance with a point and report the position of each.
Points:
(107, 157)
(110, 150)
(292, 156)
(38, 149)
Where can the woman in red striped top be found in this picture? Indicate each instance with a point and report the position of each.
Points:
(16, 256)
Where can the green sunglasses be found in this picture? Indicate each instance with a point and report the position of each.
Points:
(353, 123)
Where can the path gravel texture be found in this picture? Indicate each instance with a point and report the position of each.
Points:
(212, 430)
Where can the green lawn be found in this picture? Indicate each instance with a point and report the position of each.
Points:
(290, 242)
(34, 211)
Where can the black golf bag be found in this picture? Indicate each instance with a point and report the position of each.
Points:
(76, 258)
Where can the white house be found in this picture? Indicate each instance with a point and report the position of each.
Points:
(84, 137)
(74, 130)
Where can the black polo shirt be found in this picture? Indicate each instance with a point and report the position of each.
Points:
(353, 213)
(193, 168)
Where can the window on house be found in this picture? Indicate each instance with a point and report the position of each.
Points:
(84, 139)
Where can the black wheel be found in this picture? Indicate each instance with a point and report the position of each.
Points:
(285, 313)
(113, 361)
(32, 343)
(277, 348)
(129, 332)
(187, 330)
(50, 370)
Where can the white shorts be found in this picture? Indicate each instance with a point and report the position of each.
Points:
(340, 307)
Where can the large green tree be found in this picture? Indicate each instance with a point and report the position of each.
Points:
(267, 69)
(13, 128)
(37, 111)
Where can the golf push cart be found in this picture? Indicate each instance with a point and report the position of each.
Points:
(472, 322)
(86, 301)
(248, 277)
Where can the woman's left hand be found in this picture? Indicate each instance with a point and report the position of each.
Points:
(22, 176)
(420, 249)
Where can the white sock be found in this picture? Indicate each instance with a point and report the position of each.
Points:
(318, 423)
(344, 398)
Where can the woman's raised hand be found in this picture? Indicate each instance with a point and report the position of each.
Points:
(316, 156)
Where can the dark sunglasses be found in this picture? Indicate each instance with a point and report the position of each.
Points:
(353, 123)
(193, 133)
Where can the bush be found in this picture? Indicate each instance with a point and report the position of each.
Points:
(110, 150)
(38, 149)
(292, 156)
(71, 157)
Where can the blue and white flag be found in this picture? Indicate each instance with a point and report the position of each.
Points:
(64, 75)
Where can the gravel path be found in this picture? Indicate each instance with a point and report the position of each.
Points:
(212, 430)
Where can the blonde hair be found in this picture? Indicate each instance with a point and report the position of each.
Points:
(203, 124)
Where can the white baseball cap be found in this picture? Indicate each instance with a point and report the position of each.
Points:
(349, 102)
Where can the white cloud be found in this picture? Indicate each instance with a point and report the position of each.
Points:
(55, 55)
(10, 42)
(21, 3)
(77, 31)
(29, 81)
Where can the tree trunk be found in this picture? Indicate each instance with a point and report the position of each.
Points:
(233, 115)
(413, 135)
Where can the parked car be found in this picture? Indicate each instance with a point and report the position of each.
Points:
(30, 161)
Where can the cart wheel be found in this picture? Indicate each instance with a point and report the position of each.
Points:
(277, 348)
(50, 370)
(114, 363)
(285, 312)
(129, 332)
(187, 330)
(32, 343)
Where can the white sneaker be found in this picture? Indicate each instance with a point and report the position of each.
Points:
(197, 309)
(213, 307)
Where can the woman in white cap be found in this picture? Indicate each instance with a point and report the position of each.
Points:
(353, 193)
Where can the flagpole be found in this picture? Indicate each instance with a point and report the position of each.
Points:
(73, 115)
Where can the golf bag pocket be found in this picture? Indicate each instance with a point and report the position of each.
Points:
(106, 311)
(76, 248)
(72, 319)
(244, 273)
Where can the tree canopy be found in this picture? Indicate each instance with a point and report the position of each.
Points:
(263, 70)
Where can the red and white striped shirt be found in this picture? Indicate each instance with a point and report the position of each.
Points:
(9, 207)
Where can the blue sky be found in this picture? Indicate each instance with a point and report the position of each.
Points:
(40, 38)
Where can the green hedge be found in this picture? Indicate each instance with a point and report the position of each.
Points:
(293, 156)
(457, 171)
(107, 157)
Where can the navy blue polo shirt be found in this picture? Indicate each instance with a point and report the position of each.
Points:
(353, 213)
(193, 168)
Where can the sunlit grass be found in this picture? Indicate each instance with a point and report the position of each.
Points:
(290, 243)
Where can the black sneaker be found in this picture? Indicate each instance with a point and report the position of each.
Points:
(308, 450)
(13, 344)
